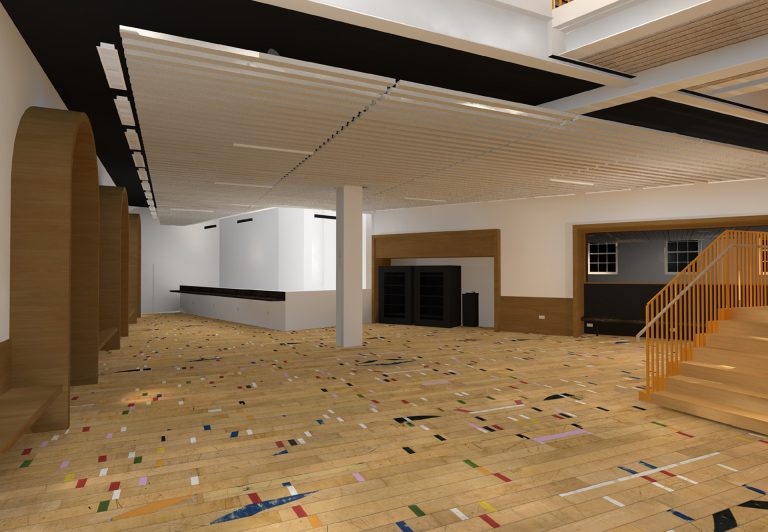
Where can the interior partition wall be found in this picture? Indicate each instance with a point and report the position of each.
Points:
(134, 267)
(113, 307)
(580, 233)
(54, 285)
(439, 244)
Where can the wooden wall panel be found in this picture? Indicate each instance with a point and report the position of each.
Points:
(479, 243)
(84, 363)
(5, 365)
(125, 267)
(134, 251)
(53, 150)
(111, 278)
(521, 314)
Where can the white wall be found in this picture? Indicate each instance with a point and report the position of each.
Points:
(249, 251)
(290, 262)
(104, 178)
(283, 249)
(536, 234)
(171, 256)
(476, 276)
(319, 251)
(22, 84)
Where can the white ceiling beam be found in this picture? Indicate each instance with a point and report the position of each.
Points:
(743, 87)
(492, 29)
(731, 60)
(717, 106)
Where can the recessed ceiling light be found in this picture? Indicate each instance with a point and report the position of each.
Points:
(553, 196)
(269, 148)
(608, 191)
(669, 186)
(242, 184)
(142, 174)
(735, 180)
(427, 199)
(145, 185)
(190, 210)
(484, 107)
(571, 182)
(110, 62)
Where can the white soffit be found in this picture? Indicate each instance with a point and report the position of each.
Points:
(308, 128)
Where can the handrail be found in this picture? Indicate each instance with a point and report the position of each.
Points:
(678, 296)
(731, 272)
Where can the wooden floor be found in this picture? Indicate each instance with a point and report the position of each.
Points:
(281, 431)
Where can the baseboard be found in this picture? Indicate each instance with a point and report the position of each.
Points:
(522, 314)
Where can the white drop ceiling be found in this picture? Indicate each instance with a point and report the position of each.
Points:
(304, 128)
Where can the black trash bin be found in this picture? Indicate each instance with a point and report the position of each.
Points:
(470, 309)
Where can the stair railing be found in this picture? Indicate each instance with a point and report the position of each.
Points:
(729, 273)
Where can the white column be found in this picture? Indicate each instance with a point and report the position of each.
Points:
(349, 266)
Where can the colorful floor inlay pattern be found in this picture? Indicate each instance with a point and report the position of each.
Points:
(199, 423)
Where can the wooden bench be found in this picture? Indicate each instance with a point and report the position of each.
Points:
(20, 408)
(590, 319)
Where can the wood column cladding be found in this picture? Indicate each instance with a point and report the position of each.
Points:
(54, 279)
(113, 306)
(134, 271)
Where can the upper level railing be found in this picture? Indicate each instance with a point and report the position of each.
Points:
(727, 274)
(558, 3)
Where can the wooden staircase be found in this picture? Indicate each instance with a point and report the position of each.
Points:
(707, 335)
(727, 380)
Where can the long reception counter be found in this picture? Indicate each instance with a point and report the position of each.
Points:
(284, 311)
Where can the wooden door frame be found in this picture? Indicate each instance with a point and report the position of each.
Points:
(438, 244)
(580, 233)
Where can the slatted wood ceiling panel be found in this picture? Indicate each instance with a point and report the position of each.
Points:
(731, 26)
(398, 139)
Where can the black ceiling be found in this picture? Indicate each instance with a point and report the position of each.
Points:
(64, 34)
(674, 117)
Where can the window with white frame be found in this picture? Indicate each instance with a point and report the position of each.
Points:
(680, 253)
(602, 259)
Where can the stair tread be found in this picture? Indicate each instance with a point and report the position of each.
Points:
(745, 321)
(727, 351)
(719, 385)
(728, 354)
(739, 336)
(751, 414)
(714, 366)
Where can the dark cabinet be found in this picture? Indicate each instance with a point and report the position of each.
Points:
(396, 294)
(437, 296)
(421, 295)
